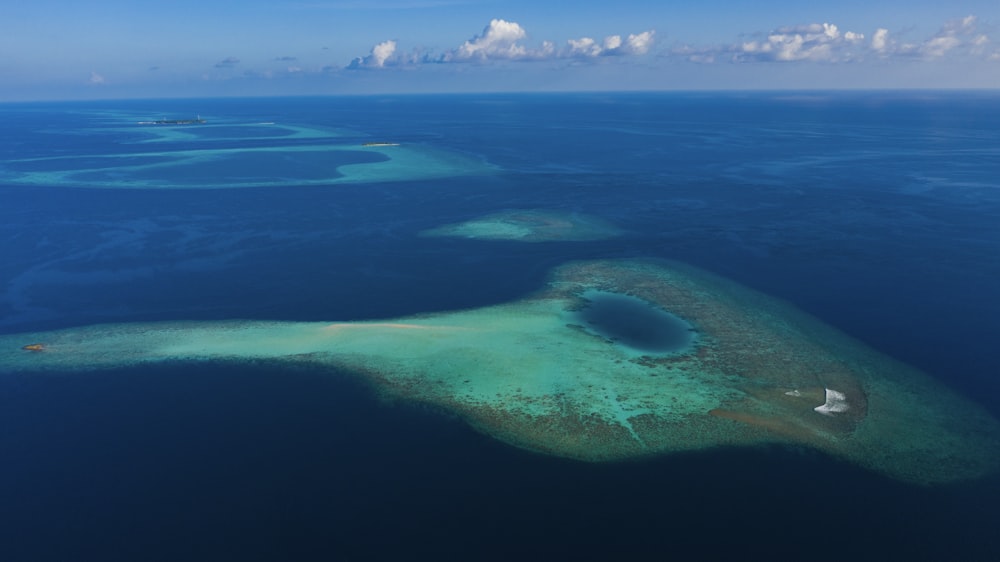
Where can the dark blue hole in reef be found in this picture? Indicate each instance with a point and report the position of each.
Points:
(634, 323)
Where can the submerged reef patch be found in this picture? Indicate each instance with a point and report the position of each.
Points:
(530, 225)
(753, 371)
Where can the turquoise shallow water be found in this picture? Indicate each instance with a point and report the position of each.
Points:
(239, 168)
(873, 211)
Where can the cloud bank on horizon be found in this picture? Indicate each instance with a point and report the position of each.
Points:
(503, 40)
(826, 43)
(592, 48)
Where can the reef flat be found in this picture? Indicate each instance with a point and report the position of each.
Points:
(564, 371)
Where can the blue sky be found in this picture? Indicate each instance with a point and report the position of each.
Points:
(67, 49)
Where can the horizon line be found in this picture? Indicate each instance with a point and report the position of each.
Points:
(844, 90)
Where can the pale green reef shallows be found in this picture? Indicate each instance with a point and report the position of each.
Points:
(319, 157)
(530, 225)
(566, 371)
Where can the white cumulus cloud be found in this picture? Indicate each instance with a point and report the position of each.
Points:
(379, 55)
(815, 42)
(587, 47)
(499, 40)
(959, 34)
(386, 54)
(812, 42)
(939, 46)
(612, 45)
(639, 44)
(960, 37)
(880, 40)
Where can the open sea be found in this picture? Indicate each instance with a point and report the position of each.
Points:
(876, 212)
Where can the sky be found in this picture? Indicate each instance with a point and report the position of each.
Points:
(107, 49)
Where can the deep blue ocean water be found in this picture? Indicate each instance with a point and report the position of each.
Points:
(876, 212)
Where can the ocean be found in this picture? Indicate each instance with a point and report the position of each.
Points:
(874, 212)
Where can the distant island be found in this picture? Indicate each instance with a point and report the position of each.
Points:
(196, 121)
